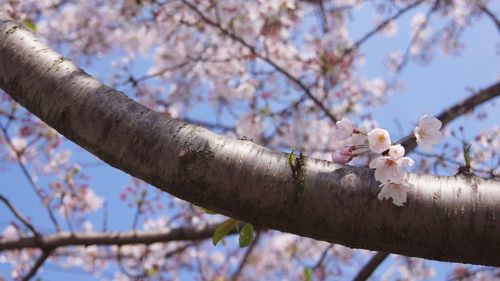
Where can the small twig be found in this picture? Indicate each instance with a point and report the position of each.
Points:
(406, 56)
(66, 213)
(252, 49)
(138, 212)
(319, 265)
(45, 255)
(323, 256)
(379, 27)
(383, 24)
(243, 262)
(125, 271)
(28, 176)
(371, 266)
(199, 266)
(460, 108)
(105, 217)
(490, 14)
(19, 216)
(442, 159)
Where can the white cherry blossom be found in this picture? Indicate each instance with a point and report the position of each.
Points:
(390, 169)
(396, 151)
(344, 129)
(427, 132)
(379, 140)
(396, 191)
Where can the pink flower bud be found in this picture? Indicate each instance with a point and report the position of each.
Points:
(343, 155)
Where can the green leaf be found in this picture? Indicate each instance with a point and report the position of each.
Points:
(30, 25)
(223, 229)
(291, 159)
(265, 111)
(76, 170)
(246, 235)
(466, 147)
(307, 274)
(207, 211)
(152, 272)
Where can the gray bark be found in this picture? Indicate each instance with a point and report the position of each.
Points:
(445, 218)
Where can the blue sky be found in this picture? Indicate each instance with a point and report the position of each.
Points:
(428, 89)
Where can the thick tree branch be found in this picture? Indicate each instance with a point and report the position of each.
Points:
(410, 144)
(445, 218)
(63, 239)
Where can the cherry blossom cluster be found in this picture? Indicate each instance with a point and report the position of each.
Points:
(390, 161)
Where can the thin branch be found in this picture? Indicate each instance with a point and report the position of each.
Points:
(45, 255)
(33, 184)
(252, 49)
(407, 53)
(490, 14)
(323, 257)
(19, 216)
(66, 213)
(105, 217)
(371, 266)
(470, 103)
(442, 158)
(125, 271)
(112, 238)
(138, 211)
(243, 262)
(460, 108)
(319, 267)
(383, 24)
(199, 265)
(377, 29)
(469, 273)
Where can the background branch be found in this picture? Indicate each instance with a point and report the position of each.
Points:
(19, 216)
(41, 260)
(244, 260)
(252, 49)
(33, 184)
(459, 109)
(490, 14)
(371, 266)
(109, 238)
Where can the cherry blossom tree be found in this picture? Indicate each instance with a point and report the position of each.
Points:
(289, 176)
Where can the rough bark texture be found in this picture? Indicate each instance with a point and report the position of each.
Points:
(445, 218)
